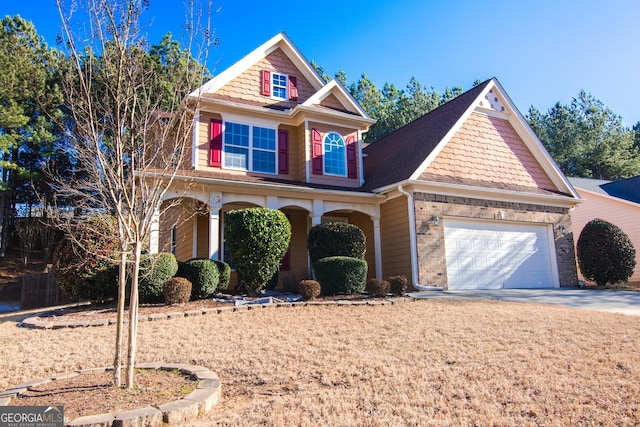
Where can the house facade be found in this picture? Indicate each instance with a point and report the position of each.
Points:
(464, 197)
(617, 202)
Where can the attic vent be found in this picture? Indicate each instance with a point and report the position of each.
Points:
(492, 102)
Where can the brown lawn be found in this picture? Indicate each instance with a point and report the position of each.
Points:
(436, 362)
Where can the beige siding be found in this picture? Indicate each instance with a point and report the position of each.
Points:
(624, 215)
(394, 233)
(327, 179)
(184, 244)
(299, 220)
(488, 149)
(365, 223)
(203, 140)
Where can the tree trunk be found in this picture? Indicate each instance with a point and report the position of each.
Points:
(122, 284)
(133, 313)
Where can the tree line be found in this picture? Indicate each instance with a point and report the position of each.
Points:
(584, 136)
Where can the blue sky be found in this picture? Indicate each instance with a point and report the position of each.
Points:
(542, 51)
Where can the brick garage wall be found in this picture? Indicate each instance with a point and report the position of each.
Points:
(432, 265)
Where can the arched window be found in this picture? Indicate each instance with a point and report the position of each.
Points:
(335, 155)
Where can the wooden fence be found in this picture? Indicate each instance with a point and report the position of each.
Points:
(40, 290)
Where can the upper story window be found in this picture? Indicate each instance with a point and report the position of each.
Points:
(249, 148)
(335, 155)
(279, 85)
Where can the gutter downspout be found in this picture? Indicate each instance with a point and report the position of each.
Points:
(412, 240)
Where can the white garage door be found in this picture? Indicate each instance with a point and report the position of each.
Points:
(495, 255)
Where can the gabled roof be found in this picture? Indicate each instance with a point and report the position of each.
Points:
(396, 156)
(405, 154)
(625, 189)
(280, 40)
(335, 88)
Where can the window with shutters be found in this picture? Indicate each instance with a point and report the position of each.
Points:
(250, 148)
(279, 85)
(335, 155)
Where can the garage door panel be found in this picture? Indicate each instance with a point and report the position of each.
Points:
(491, 255)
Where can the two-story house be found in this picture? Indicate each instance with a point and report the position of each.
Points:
(465, 196)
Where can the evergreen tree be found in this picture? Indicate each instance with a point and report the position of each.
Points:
(30, 100)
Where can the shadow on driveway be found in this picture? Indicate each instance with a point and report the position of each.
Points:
(609, 300)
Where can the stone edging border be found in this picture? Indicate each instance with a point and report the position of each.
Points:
(38, 323)
(195, 404)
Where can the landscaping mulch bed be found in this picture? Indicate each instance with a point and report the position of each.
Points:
(92, 393)
(92, 312)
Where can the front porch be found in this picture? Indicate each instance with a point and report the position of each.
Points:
(191, 225)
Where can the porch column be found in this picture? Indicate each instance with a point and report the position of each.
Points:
(318, 210)
(154, 232)
(215, 204)
(376, 243)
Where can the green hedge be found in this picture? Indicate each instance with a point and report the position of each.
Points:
(203, 274)
(155, 269)
(257, 239)
(341, 275)
(224, 271)
(336, 239)
(605, 253)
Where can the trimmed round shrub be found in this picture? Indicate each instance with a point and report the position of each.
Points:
(336, 239)
(341, 275)
(155, 270)
(377, 287)
(605, 253)
(308, 289)
(203, 274)
(398, 285)
(85, 263)
(176, 290)
(224, 272)
(257, 239)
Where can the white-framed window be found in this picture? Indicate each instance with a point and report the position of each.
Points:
(250, 148)
(279, 85)
(335, 155)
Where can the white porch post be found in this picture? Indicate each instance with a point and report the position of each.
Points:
(318, 210)
(154, 233)
(377, 246)
(215, 204)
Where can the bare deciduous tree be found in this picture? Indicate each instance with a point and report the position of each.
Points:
(130, 125)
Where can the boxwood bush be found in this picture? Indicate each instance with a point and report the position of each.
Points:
(224, 271)
(336, 239)
(605, 253)
(257, 239)
(203, 274)
(85, 262)
(155, 270)
(341, 275)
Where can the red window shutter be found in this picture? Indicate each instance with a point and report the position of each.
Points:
(283, 151)
(293, 88)
(316, 145)
(266, 82)
(215, 143)
(352, 158)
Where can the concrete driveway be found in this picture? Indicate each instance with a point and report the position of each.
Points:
(610, 300)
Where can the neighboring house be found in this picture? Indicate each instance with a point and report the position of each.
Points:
(617, 202)
(464, 197)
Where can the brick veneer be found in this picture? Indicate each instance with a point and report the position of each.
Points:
(432, 268)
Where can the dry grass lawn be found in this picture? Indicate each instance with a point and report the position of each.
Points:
(436, 362)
